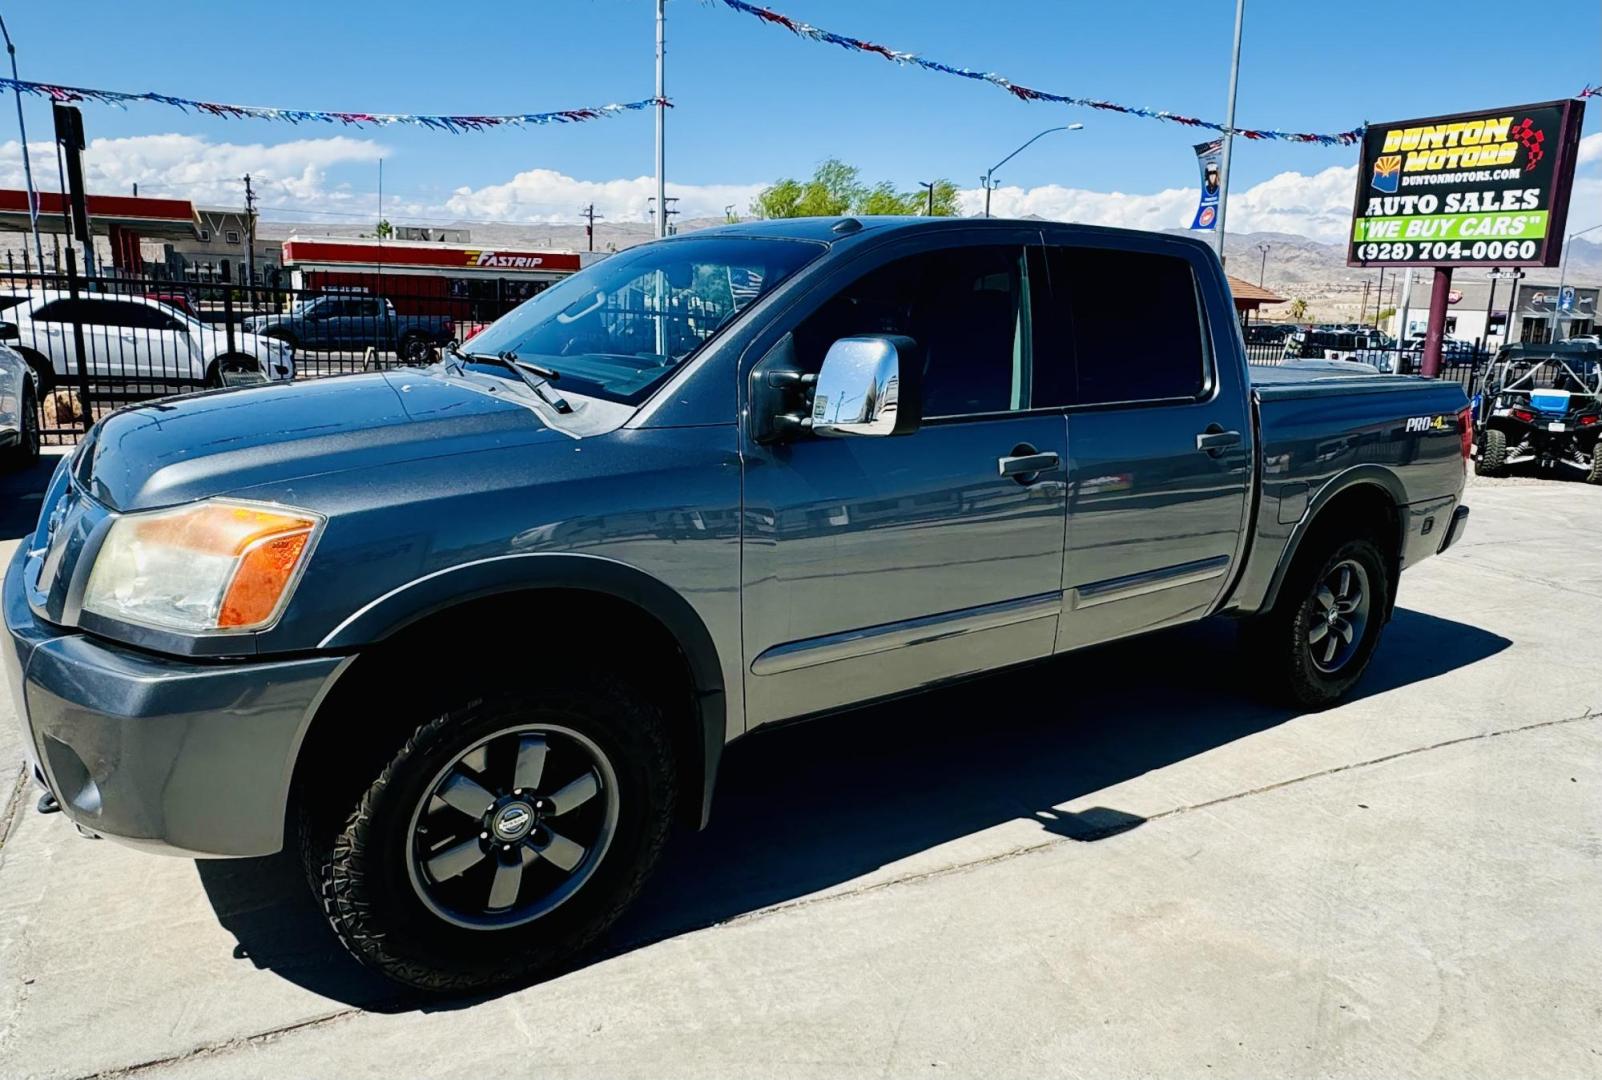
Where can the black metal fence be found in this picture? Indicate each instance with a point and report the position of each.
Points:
(98, 343)
(1459, 365)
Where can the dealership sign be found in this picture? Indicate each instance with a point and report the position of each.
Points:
(1476, 189)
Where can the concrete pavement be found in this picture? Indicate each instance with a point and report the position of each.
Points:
(1116, 864)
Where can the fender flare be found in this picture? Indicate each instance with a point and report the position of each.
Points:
(444, 589)
(1366, 475)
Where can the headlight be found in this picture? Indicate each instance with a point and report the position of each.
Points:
(216, 565)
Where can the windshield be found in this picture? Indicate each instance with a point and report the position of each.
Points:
(618, 328)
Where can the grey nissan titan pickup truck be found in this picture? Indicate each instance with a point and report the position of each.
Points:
(473, 636)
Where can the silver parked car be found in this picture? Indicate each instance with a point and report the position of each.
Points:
(19, 406)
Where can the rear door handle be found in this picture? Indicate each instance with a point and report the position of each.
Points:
(1027, 464)
(1215, 440)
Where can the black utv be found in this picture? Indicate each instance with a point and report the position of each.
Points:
(1541, 404)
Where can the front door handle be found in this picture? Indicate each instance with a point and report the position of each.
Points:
(1024, 465)
(1215, 440)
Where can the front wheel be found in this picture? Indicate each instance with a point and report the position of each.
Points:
(505, 836)
(1320, 636)
(1595, 476)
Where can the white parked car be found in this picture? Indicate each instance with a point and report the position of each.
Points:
(19, 409)
(136, 339)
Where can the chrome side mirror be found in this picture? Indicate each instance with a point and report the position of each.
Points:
(869, 385)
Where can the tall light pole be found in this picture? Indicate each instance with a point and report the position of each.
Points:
(930, 185)
(990, 172)
(1229, 124)
(27, 165)
(1262, 267)
(1563, 273)
(661, 118)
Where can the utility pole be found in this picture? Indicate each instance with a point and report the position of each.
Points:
(27, 165)
(1362, 311)
(930, 184)
(661, 116)
(250, 233)
(662, 229)
(1379, 297)
(1229, 124)
(1262, 267)
(589, 228)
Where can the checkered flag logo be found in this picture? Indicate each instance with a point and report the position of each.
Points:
(1531, 138)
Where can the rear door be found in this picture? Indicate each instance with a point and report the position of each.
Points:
(1159, 431)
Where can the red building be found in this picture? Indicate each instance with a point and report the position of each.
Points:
(472, 284)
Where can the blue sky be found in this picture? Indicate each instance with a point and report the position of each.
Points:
(754, 103)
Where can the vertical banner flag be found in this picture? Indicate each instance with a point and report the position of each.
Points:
(1207, 158)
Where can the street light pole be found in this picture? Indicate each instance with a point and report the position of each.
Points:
(1262, 267)
(989, 173)
(1563, 273)
(1229, 125)
(930, 184)
(27, 165)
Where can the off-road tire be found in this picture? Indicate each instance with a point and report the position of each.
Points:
(1277, 640)
(1595, 476)
(1493, 454)
(24, 452)
(356, 858)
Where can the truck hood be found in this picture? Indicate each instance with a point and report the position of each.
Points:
(162, 453)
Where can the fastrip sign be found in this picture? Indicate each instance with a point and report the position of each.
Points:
(1475, 189)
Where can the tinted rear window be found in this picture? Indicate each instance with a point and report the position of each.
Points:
(1121, 326)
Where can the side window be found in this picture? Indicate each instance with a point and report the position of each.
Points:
(59, 311)
(1122, 326)
(966, 308)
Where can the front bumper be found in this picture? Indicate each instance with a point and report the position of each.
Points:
(184, 757)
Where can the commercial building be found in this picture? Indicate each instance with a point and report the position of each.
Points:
(1492, 312)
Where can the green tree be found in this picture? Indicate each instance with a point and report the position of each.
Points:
(1297, 309)
(384, 230)
(836, 188)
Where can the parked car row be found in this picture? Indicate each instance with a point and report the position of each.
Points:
(134, 339)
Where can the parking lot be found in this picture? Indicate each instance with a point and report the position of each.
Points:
(1119, 863)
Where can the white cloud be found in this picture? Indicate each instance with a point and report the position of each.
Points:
(1318, 206)
(189, 167)
(1591, 149)
(546, 195)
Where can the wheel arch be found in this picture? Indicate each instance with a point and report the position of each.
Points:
(671, 644)
(1367, 492)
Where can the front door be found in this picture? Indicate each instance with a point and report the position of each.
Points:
(876, 565)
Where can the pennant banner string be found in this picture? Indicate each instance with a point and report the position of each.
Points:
(440, 122)
(1025, 93)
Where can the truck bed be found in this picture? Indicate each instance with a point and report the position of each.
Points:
(1318, 431)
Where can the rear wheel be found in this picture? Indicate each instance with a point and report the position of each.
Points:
(1595, 476)
(1493, 454)
(412, 348)
(1320, 636)
(502, 838)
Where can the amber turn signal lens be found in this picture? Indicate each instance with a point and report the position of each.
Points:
(263, 574)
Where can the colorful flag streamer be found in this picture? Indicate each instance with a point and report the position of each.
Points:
(801, 29)
(451, 123)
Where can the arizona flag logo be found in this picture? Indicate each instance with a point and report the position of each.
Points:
(1387, 173)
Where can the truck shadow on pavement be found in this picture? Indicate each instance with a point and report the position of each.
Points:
(817, 805)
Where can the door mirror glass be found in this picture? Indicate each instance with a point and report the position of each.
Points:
(869, 385)
(8, 331)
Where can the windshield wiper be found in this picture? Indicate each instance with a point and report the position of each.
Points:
(521, 369)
